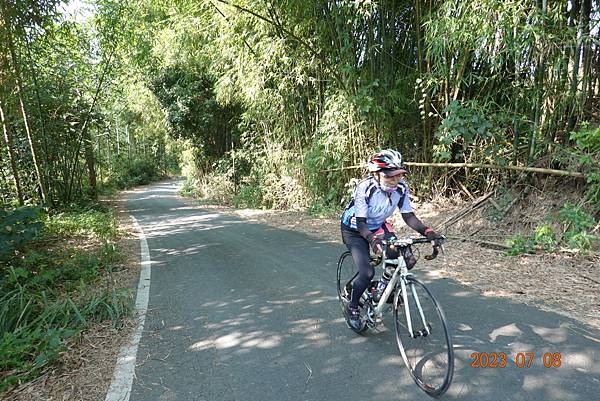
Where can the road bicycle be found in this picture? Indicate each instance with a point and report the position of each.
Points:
(421, 330)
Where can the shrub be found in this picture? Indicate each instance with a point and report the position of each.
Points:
(588, 154)
(18, 227)
(92, 223)
(543, 239)
(248, 196)
(579, 227)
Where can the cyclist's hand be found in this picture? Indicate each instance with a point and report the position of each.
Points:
(375, 242)
(436, 239)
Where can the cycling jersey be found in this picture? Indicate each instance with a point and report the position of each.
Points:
(376, 205)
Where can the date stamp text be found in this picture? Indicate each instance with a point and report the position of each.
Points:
(521, 359)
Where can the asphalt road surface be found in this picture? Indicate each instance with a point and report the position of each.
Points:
(247, 312)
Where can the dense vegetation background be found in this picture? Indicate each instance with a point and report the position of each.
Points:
(275, 104)
(268, 101)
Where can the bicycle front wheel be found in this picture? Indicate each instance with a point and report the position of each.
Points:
(426, 347)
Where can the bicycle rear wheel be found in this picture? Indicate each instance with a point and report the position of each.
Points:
(427, 351)
(347, 272)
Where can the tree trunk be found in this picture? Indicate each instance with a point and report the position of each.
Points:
(586, 76)
(427, 150)
(576, 63)
(86, 139)
(17, 72)
(90, 163)
(11, 156)
(540, 72)
(48, 174)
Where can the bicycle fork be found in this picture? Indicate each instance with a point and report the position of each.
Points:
(425, 331)
(400, 274)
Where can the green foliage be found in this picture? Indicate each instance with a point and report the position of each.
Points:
(188, 188)
(577, 233)
(579, 227)
(333, 149)
(588, 153)
(26, 352)
(34, 329)
(463, 125)
(248, 196)
(193, 112)
(588, 140)
(543, 239)
(136, 172)
(47, 295)
(18, 227)
(520, 245)
(321, 209)
(100, 224)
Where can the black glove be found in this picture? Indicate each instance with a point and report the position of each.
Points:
(375, 242)
(431, 235)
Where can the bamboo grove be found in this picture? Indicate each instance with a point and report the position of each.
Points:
(268, 102)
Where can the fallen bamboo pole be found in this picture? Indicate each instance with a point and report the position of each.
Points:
(575, 174)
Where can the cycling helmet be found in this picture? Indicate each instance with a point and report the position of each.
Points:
(388, 161)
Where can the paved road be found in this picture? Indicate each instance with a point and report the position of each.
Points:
(246, 312)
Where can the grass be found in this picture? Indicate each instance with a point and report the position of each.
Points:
(50, 290)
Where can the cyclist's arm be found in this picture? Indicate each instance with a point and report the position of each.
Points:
(361, 209)
(413, 222)
(361, 226)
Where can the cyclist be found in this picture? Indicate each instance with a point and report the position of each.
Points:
(363, 222)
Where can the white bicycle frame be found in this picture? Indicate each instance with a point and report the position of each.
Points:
(400, 273)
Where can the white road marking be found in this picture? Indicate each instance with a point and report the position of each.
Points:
(120, 386)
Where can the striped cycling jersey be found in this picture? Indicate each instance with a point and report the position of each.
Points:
(376, 205)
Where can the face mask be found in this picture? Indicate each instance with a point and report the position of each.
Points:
(387, 189)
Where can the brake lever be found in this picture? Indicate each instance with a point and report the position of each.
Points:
(433, 255)
(436, 249)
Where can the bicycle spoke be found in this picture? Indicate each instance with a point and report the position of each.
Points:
(427, 349)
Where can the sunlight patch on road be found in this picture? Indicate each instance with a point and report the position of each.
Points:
(255, 339)
(510, 330)
(581, 361)
(228, 341)
(464, 327)
(201, 345)
(462, 294)
(252, 212)
(553, 335)
(263, 343)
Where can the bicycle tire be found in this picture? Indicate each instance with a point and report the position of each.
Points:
(346, 274)
(429, 358)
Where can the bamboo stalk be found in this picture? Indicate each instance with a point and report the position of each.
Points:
(11, 156)
(20, 95)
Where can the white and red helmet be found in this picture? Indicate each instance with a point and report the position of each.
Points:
(388, 161)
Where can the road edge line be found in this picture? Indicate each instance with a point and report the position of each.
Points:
(120, 386)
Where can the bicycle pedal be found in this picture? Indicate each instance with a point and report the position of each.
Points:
(420, 333)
